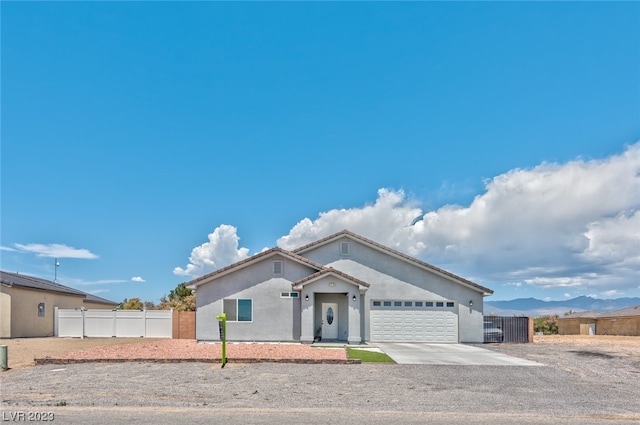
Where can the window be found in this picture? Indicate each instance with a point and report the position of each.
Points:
(408, 303)
(238, 310)
(387, 303)
(289, 295)
(429, 304)
(41, 310)
(449, 303)
(397, 303)
(376, 303)
(277, 267)
(344, 248)
(439, 304)
(418, 303)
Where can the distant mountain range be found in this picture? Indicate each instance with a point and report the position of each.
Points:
(535, 307)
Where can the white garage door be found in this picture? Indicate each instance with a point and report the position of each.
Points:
(414, 321)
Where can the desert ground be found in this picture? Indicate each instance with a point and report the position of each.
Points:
(585, 381)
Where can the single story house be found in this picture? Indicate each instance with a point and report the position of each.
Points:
(340, 288)
(27, 304)
(625, 321)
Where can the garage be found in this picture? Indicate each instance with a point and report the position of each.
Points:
(414, 321)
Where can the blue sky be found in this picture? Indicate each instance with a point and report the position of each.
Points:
(145, 143)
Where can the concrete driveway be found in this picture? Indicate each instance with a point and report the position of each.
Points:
(448, 354)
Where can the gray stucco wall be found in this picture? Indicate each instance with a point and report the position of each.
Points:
(396, 279)
(330, 289)
(274, 318)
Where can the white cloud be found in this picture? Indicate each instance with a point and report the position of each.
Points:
(56, 251)
(567, 295)
(137, 279)
(221, 250)
(80, 282)
(384, 222)
(573, 225)
(555, 225)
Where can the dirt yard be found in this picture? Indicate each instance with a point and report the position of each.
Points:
(546, 349)
(631, 343)
(22, 351)
(596, 355)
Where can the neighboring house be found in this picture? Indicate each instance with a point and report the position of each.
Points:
(27, 304)
(625, 321)
(344, 288)
(92, 302)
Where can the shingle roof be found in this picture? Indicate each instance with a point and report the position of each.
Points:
(98, 300)
(625, 312)
(23, 281)
(32, 282)
(254, 258)
(581, 315)
(394, 252)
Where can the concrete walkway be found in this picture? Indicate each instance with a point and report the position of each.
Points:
(448, 354)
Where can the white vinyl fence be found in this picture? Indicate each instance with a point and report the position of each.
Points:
(113, 323)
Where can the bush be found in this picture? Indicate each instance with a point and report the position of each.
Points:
(548, 325)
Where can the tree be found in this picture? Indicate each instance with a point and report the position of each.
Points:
(180, 299)
(132, 304)
(548, 325)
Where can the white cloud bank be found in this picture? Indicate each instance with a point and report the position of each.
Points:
(137, 279)
(56, 251)
(221, 250)
(555, 225)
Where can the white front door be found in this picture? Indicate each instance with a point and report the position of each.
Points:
(329, 321)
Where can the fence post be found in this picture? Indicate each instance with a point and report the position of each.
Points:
(83, 318)
(531, 330)
(172, 313)
(113, 323)
(56, 330)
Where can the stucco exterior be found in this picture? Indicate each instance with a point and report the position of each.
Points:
(618, 322)
(27, 305)
(274, 318)
(345, 269)
(23, 318)
(394, 278)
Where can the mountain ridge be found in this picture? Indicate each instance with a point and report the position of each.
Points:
(536, 307)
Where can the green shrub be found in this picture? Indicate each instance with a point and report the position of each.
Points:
(548, 325)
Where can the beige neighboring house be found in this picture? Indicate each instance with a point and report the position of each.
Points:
(625, 321)
(27, 304)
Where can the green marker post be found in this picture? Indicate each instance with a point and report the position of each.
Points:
(222, 324)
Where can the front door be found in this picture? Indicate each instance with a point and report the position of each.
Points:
(329, 321)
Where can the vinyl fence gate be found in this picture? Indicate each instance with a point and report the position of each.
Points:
(515, 329)
(113, 323)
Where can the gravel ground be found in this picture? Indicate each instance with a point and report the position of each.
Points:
(181, 349)
(598, 357)
(576, 387)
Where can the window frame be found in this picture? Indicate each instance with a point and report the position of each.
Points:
(347, 251)
(237, 308)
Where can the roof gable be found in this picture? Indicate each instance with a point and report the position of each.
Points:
(329, 271)
(248, 262)
(393, 253)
